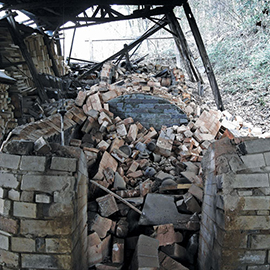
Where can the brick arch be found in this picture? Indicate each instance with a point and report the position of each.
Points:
(148, 110)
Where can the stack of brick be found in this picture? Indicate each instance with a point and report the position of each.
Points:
(38, 50)
(107, 72)
(7, 120)
(235, 216)
(43, 212)
(11, 54)
(23, 94)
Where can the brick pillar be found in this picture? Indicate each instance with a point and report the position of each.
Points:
(43, 212)
(235, 227)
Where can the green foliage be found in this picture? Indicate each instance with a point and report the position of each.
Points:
(242, 62)
(237, 40)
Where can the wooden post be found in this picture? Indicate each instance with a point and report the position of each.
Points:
(178, 38)
(50, 53)
(58, 44)
(128, 65)
(18, 40)
(204, 56)
(184, 45)
(71, 46)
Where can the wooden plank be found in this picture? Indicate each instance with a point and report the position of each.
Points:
(117, 197)
(205, 59)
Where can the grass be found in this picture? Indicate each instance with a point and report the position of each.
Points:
(242, 63)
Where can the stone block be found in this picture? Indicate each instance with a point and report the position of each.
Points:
(260, 241)
(23, 147)
(4, 242)
(116, 144)
(43, 198)
(259, 267)
(103, 146)
(58, 245)
(80, 98)
(133, 167)
(95, 102)
(9, 259)
(103, 117)
(251, 223)
(167, 263)
(118, 250)
(41, 261)
(136, 174)
(109, 95)
(107, 205)
(100, 225)
(257, 146)
(20, 244)
(8, 225)
(9, 161)
(160, 209)
(14, 195)
(42, 147)
(145, 187)
(121, 130)
(191, 203)
(64, 164)
(109, 266)
(93, 113)
(252, 257)
(3, 193)
(164, 146)
(262, 213)
(176, 252)
(98, 252)
(253, 161)
(5, 206)
(146, 254)
(88, 124)
(107, 161)
(166, 235)
(119, 182)
(27, 196)
(119, 155)
(46, 227)
(33, 163)
(196, 192)
(132, 133)
(46, 183)
(60, 209)
(250, 180)
(267, 158)
(243, 193)
(256, 203)
(23, 209)
(210, 121)
(8, 180)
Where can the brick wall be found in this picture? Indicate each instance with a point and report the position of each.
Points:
(43, 212)
(148, 110)
(235, 229)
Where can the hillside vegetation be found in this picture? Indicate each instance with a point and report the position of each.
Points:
(237, 37)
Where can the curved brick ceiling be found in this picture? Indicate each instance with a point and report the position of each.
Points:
(148, 110)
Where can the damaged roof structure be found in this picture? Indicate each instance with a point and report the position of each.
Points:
(52, 15)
